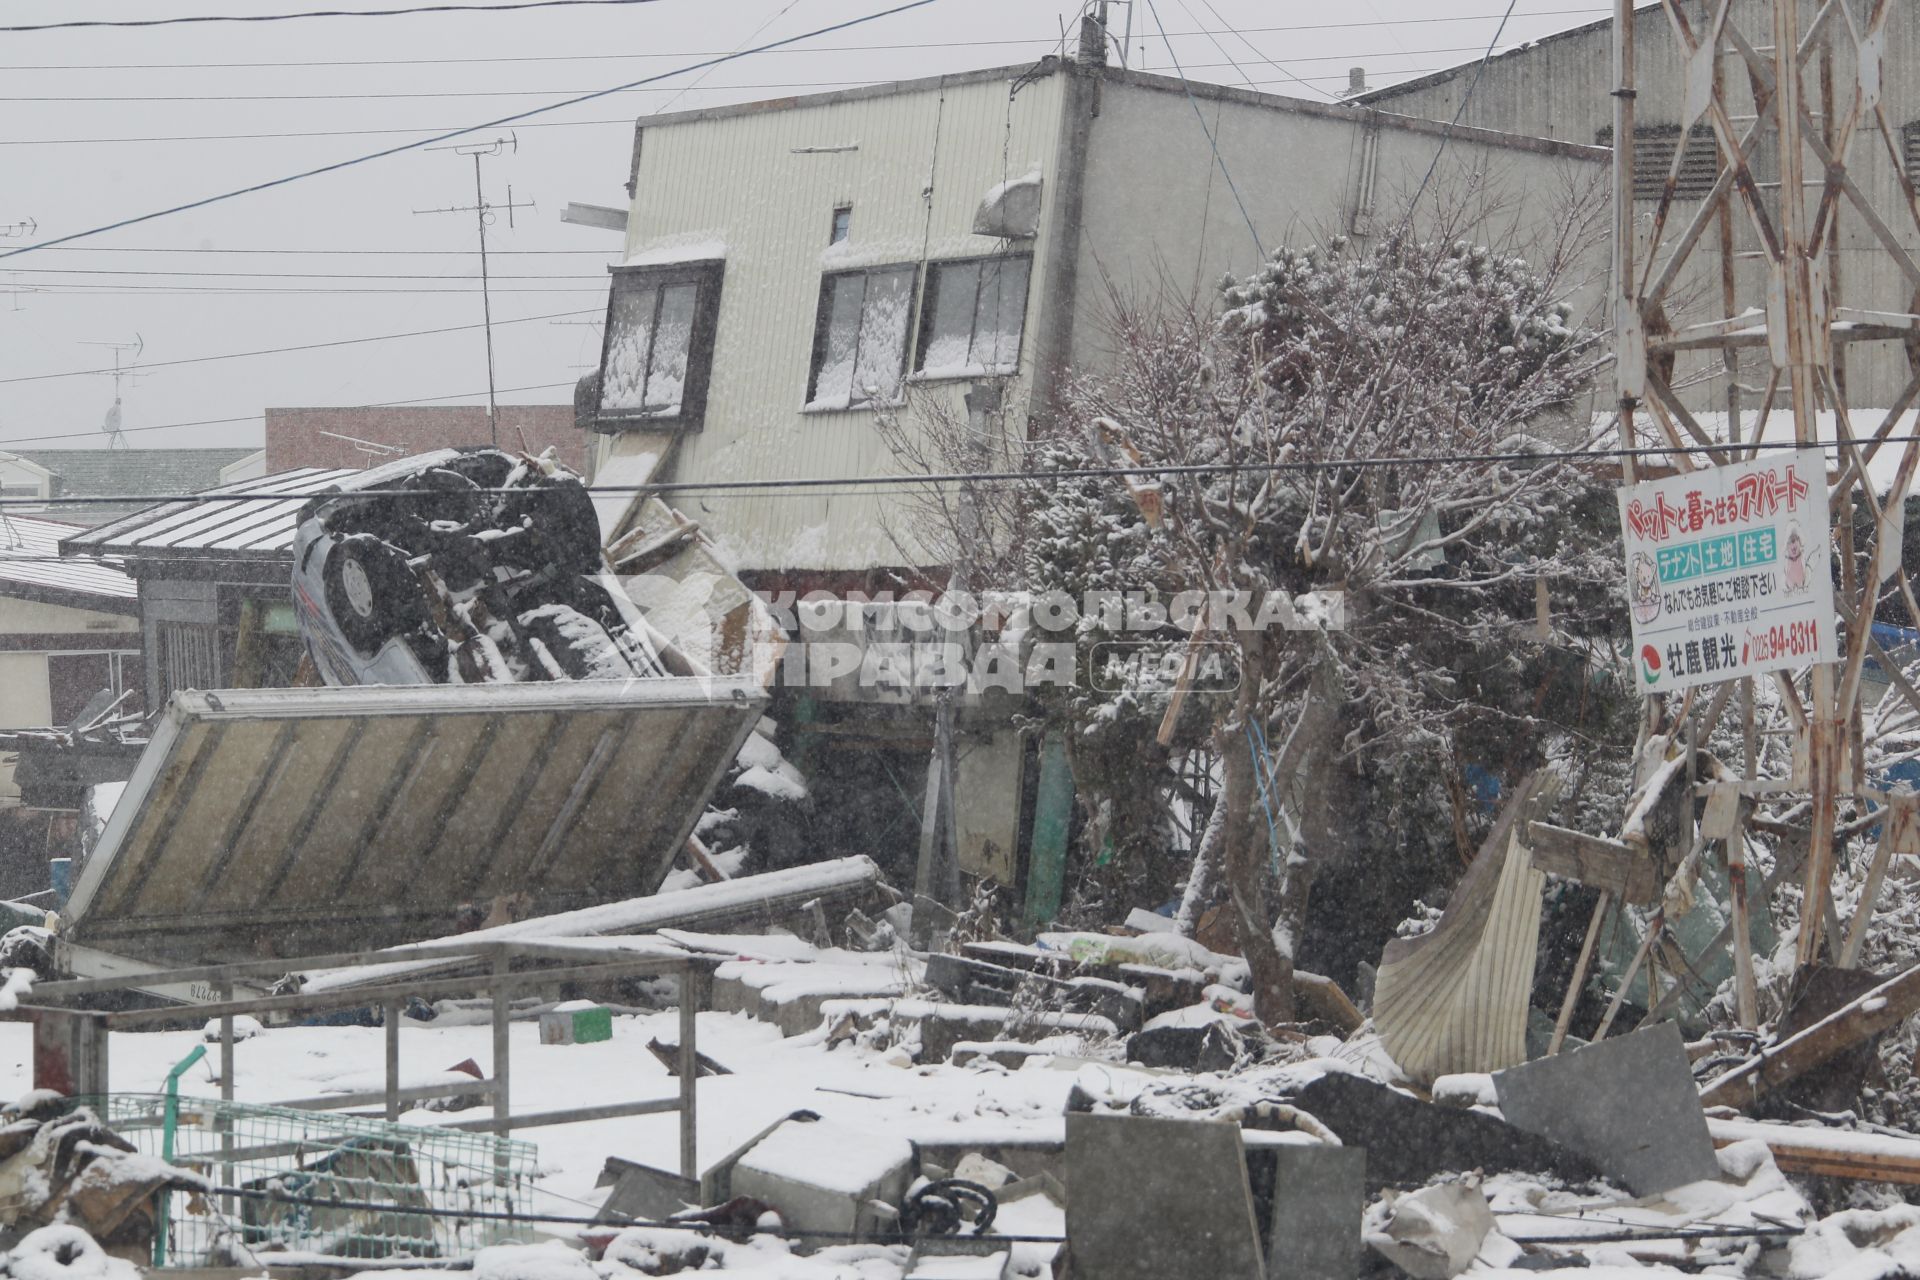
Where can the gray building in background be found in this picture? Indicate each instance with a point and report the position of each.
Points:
(1561, 87)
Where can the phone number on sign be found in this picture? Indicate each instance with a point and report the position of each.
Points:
(1788, 640)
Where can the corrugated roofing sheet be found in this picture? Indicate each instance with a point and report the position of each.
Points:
(264, 822)
(243, 527)
(30, 558)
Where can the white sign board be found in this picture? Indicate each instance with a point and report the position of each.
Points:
(1729, 571)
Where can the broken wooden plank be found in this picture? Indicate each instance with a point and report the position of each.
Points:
(1601, 863)
(1827, 1153)
(1881, 1009)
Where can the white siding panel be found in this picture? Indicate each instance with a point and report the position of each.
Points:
(748, 181)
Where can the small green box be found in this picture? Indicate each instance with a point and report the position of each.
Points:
(576, 1022)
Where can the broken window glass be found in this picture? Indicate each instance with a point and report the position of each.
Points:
(975, 313)
(651, 344)
(861, 350)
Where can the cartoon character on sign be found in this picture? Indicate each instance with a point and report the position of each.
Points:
(1793, 577)
(1643, 586)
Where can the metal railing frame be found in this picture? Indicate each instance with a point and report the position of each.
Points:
(496, 978)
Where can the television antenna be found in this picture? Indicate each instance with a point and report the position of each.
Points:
(485, 213)
(111, 424)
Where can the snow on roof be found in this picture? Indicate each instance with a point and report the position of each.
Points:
(243, 526)
(30, 564)
(677, 249)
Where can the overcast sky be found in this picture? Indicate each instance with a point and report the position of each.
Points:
(105, 124)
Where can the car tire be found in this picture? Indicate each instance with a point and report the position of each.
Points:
(371, 592)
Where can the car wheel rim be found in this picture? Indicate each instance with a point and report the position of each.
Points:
(353, 577)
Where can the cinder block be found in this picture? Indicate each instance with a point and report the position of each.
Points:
(823, 1176)
(576, 1022)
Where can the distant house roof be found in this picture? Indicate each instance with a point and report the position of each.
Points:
(134, 473)
(31, 569)
(367, 436)
(245, 526)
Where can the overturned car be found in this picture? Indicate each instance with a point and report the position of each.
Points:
(466, 566)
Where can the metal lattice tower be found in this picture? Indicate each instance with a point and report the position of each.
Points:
(1790, 93)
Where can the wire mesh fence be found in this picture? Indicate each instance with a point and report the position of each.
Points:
(321, 1183)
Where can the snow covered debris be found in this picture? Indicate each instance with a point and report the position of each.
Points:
(1433, 1233)
(63, 1252)
(245, 1027)
(19, 983)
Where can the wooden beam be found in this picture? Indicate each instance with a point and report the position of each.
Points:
(1596, 861)
(1881, 1009)
(1827, 1153)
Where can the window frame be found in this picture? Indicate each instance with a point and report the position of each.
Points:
(822, 321)
(929, 299)
(707, 277)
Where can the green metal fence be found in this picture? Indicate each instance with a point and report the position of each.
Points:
(314, 1182)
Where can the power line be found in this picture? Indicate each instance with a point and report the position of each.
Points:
(1201, 116)
(766, 84)
(512, 7)
(624, 122)
(306, 346)
(1465, 98)
(908, 484)
(254, 417)
(455, 133)
(1045, 40)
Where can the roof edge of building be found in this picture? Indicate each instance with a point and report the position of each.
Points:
(1445, 74)
(1138, 79)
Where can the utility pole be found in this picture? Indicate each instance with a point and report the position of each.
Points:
(483, 213)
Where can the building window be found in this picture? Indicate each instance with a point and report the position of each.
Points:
(1653, 148)
(842, 224)
(659, 343)
(1910, 146)
(973, 316)
(860, 342)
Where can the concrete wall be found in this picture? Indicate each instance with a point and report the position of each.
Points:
(1302, 172)
(1561, 88)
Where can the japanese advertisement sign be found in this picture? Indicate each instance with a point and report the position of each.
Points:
(1729, 571)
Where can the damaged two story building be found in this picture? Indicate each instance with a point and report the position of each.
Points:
(807, 277)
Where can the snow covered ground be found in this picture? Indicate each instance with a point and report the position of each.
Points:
(773, 1077)
(878, 1091)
